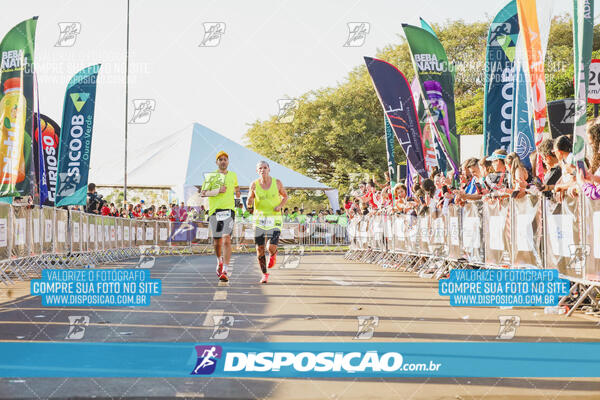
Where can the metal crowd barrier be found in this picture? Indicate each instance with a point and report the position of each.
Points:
(34, 238)
(528, 232)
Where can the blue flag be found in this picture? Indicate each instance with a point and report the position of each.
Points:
(76, 138)
(471, 187)
(500, 79)
(43, 187)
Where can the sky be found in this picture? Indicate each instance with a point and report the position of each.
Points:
(269, 50)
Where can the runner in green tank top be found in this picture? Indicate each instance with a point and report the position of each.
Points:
(267, 196)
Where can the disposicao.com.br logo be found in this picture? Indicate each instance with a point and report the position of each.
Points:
(306, 362)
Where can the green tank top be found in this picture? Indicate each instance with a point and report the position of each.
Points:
(265, 201)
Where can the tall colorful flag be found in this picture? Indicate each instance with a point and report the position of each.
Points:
(76, 138)
(389, 148)
(522, 138)
(500, 79)
(434, 156)
(16, 109)
(427, 27)
(46, 152)
(396, 99)
(437, 84)
(40, 167)
(583, 37)
(532, 22)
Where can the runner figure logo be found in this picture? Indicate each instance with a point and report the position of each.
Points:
(148, 255)
(569, 114)
(222, 323)
(366, 327)
(142, 110)
(212, 34)
(207, 359)
(287, 110)
(508, 326)
(357, 33)
(68, 184)
(77, 326)
(68, 33)
(578, 255)
(291, 256)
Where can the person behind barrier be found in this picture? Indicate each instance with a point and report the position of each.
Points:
(567, 183)
(553, 168)
(399, 197)
(94, 201)
(590, 180)
(519, 177)
(497, 180)
(174, 214)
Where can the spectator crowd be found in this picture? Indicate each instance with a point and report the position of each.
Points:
(182, 213)
(500, 175)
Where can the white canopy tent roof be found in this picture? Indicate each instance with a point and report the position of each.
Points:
(180, 160)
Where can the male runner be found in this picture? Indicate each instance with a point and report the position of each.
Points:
(268, 196)
(221, 218)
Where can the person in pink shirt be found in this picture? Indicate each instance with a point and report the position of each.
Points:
(182, 212)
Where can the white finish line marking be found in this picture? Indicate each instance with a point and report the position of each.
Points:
(220, 295)
(209, 320)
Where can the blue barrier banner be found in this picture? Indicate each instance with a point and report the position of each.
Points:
(95, 287)
(504, 287)
(315, 360)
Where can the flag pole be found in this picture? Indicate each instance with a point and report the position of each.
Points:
(126, 110)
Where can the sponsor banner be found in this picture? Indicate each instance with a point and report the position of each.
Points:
(434, 156)
(310, 360)
(583, 38)
(522, 140)
(76, 138)
(499, 79)
(16, 109)
(397, 101)
(436, 77)
(48, 145)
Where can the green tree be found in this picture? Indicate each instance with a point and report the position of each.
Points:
(337, 133)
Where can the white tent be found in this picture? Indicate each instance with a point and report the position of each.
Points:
(179, 161)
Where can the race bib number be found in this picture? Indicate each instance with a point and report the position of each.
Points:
(267, 221)
(223, 215)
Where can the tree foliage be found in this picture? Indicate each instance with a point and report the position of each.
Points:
(337, 133)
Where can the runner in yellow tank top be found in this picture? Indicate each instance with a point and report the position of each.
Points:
(268, 196)
(221, 218)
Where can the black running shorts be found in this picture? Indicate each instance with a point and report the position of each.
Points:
(220, 223)
(261, 236)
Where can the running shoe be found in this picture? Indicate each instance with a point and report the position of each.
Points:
(265, 278)
(272, 260)
(219, 268)
(223, 277)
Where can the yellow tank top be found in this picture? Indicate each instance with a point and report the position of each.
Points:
(264, 203)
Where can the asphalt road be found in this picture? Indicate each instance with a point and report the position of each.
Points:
(315, 298)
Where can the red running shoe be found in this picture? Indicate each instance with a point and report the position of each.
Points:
(265, 278)
(272, 260)
(223, 277)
